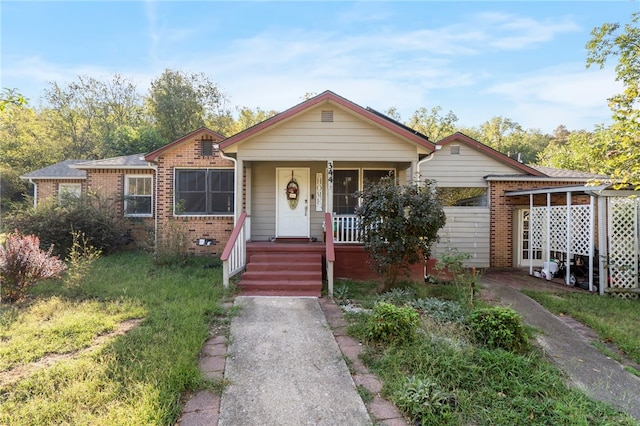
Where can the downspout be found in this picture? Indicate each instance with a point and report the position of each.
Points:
(419, 178)
(156, 202)
(238, 200)
(35, 193)
(426, 159)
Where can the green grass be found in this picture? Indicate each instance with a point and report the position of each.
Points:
(443, 378)
(613, 319)
(133, 378)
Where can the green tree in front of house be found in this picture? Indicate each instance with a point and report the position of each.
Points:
(611, 40)
(398, 224)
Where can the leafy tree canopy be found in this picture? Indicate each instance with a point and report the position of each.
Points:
(612, 40)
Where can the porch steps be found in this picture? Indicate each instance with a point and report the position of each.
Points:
(286, 273)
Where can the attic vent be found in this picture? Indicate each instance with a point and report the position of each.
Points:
(206, 148)
(326, 117)
(455, 149)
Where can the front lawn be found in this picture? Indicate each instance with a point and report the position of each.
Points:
(120, 350)
(444, 377)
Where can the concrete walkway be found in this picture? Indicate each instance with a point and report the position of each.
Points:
(569, 345)
(286, 364)
(285, 368)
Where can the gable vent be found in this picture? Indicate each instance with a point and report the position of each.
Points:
(326, 117)
(455, 149)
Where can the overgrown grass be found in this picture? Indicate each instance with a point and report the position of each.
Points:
(135, 378)
(613, 319)
(443, 378)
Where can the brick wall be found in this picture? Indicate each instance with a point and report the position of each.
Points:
(217, 229)
(49, 188)
(502, 208)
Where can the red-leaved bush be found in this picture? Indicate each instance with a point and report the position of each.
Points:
(23, 263)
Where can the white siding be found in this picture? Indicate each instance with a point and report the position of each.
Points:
(467, 231)
(347, 138)
(466, 169)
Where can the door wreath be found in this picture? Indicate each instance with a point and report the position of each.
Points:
(292, 192)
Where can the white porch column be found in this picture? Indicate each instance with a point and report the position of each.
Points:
(530, 249)
(603, 252)
(329, 191)
(567, 275)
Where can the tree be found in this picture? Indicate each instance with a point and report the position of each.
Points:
(623, 43)
(398, 225)
(180, 103)
(581, 151)
(11, 98)
(89, 115)
(432, 123)
(508, 137)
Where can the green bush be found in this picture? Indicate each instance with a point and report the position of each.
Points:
(90, 214)
(499, 327)
(441, 311)
(425, 401)
(390, 324)
(398, 296)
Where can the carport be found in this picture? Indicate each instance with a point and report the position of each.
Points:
(565, 223)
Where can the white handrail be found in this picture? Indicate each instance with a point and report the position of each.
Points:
(235, 252)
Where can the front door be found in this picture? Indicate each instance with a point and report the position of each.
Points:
(292, 205)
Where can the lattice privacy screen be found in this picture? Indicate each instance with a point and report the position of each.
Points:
(623, 242)
(556, 230)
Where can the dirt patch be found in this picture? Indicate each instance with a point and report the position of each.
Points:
(18, 373)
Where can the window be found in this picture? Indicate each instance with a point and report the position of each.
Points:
(204, 192)
(346, 182)
(138, 195)
(69, 190)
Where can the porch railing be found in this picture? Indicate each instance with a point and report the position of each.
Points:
(331, 257)
(345, 229)
(235, 252)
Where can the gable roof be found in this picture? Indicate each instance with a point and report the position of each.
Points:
(60, 171)
(329, 97)
(490, 152)
(134, 161)
(153, 155)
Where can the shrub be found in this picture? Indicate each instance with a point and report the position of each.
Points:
(398, 224)
(172, 245)
(499, 327)
(90, 214)
(80, 258)
(390, 324)
(398, 296)
(425, 401)
(441, 311)
(23, 263)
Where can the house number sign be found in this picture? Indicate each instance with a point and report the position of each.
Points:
(318, 192)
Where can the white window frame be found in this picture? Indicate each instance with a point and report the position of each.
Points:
(74, 189)
(127, 196)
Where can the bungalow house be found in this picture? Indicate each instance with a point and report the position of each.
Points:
(275, 200)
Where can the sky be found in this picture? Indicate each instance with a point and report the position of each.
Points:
(525, 61)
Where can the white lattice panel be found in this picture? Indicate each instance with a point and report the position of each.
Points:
(623, 242)
(558, 228)
(538, 228)
(581, 225)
